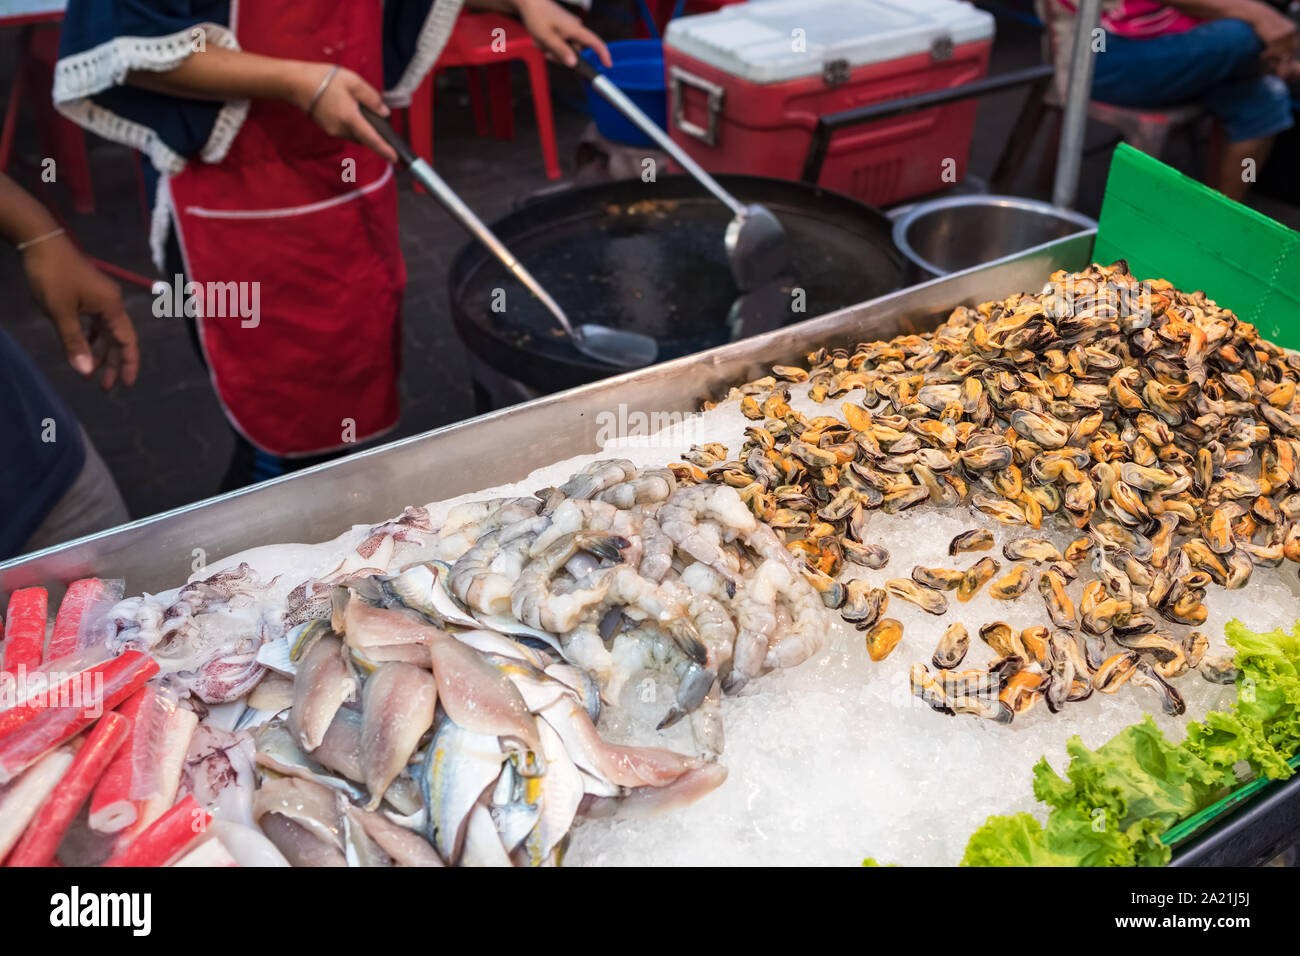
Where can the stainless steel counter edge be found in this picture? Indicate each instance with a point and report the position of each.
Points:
(159, 552)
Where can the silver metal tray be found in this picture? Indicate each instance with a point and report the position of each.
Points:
(159, 552)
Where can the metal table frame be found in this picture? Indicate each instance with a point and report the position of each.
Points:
(157, 553)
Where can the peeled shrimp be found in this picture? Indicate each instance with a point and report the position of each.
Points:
(647, 486)
(756, 621)
(470, 520)
(701, 518)
(707, 607)
(597, 476)
(657, 551)
(534, 601)
(475, 578)
(806, 633)
(576, 515)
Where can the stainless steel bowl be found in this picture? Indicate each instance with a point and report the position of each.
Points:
(958, 232)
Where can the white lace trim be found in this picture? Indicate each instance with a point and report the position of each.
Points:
(160, 223)
(433, 39)
(82, 75)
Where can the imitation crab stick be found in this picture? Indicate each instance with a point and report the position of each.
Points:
(78, 691)
(67, 623)
(164, 840)
(162, 740)
(25, 629)
(41, 839)
(21, 800)
(112, 808)
(52, 727)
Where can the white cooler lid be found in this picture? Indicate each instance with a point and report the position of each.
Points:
(755, 41)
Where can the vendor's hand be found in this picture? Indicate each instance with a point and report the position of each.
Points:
(338, 111)
(556, 30)
(67, 286)
(1279, 35)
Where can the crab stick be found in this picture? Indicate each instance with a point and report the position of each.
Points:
(164, 732)
(170, 748)
(44, 834)
(164, 840)
(54, 726)
(25, 629)
(80, 689)
(112, 808)
(67, 623)
(21, 800)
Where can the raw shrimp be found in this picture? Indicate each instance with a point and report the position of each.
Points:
(538, 602)
(576, 515)
(647, 486)
(706, 606)
(645, 649)
(806, 632)
(706, 724)
(534, 601)
(597, 476)
(475, 578)
(756, 622)
(468, 521)
(646, 601)
(700, 519)
(657, 550)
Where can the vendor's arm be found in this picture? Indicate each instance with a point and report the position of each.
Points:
(554, 28)
(66, 286)
(220, 74)
(1275, 30)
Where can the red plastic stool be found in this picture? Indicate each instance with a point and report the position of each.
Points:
(475, 43)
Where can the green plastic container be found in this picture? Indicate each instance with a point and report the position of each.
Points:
(1169, 226)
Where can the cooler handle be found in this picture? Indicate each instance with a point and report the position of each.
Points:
(677, 78)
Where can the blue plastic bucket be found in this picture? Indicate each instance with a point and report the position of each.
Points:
(639, 72)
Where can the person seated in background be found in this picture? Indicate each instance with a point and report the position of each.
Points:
(1234, 57)
(53, 484)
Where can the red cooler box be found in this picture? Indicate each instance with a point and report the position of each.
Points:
(748, 83)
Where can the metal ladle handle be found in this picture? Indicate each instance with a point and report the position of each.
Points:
(431, 181)
(606, 88)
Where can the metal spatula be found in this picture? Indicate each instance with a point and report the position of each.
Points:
(611, 346)
(757, 247)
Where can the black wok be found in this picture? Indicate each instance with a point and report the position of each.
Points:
(651, 257)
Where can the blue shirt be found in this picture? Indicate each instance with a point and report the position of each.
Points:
(41, 451)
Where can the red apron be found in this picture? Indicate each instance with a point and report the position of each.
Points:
(317, 368)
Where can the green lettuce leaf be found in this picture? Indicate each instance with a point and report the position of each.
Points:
(1136, 775)
(1011, 841)
(1226, 737)
(1114, 803)
(1269, 687)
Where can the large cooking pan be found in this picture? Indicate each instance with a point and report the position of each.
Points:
(651, 257)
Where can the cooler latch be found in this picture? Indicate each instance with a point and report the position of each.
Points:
(836, 72)
(678, 78)
(941, 48)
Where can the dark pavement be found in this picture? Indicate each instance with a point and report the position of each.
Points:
(166, 440)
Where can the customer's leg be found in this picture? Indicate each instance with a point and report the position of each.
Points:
(1253, 111)
(1232, 180)
(1176, 69)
